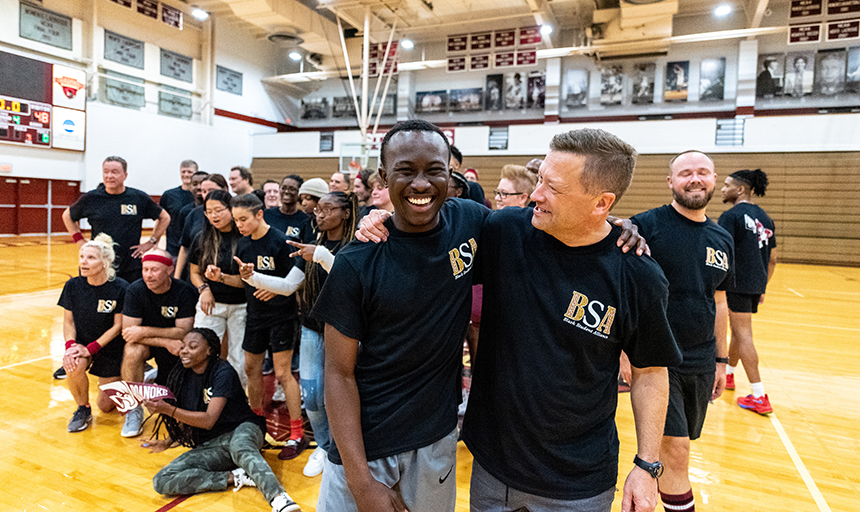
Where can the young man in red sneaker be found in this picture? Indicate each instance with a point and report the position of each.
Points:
(755, 253)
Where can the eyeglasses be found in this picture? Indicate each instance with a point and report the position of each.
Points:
(326, 211)
(219, 211)
(505, 195)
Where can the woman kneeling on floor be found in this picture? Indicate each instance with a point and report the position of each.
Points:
(211, 416)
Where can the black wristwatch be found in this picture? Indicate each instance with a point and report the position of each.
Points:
(655, 469)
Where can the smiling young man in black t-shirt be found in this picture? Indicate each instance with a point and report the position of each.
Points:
(392, 404)
(288, 218)
(697, 257)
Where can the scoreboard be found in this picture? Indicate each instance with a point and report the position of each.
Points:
(25, 122)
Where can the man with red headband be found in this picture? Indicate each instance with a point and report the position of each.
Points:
(158, 313)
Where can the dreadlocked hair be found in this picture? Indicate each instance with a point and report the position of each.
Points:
(349, 201)
(756, 180)
(176, 431)
(210, 241)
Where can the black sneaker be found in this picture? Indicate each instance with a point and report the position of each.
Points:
(60, 373)
(268, 365)
(81, 419)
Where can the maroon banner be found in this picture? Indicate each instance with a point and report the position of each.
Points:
(526, 57)
(504, 59)
(456, 64)
(479, 62)
(842, 6)
(171, 16)
(845, 29)
(481, 41)
(529, 35)
(458, 43)
(505, 38)
(124, 3)
(148, 8)
(801, 8)
(798, 34)
(128, 395)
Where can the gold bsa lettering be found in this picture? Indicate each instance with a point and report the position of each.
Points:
(576, 310)
(463, 256)
(106, 306)
(128, 209)
(168, 311)
(606, 323)
(600, 316)
(716, 259)
(266, 262)
(456, 262)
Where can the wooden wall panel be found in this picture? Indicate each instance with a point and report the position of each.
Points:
(814, 198)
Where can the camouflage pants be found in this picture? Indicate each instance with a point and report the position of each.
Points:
(207, 467)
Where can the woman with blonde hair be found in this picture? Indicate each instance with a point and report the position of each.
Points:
(515, 187)
(92, 326)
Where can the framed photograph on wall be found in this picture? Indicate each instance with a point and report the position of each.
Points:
(799, 73)
(852, 77)
(830, 72)
(466, 100)
(427, 102)
(712, 80)
(515, 90)
(770, 77)
(677, 81)
(575, 88)
(493, 97)
(643, 83)
(315, 108)
(536, 97)
(611, 84)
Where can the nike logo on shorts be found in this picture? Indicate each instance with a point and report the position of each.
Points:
(443, 478)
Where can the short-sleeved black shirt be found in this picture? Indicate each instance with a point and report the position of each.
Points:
(173, 201)
(297, 226)
(195, 396)
(541, 414)
(755, 236)
(161, 310)
(223, 293)
(270, 255)
(120, 216)
(93, 309)
(697, 259)
(407, 301)
(195, 221)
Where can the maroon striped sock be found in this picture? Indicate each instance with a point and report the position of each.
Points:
(679, 502)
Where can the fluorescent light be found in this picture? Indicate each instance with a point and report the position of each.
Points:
(723, 10)
(295, 55)
(407, 44)
(200, 14)
(546, 29)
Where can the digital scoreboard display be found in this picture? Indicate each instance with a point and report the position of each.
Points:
(25, 122)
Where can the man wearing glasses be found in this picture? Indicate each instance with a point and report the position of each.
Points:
(515, 187)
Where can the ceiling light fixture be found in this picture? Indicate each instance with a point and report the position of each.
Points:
(723, 10)
(295, 56)
(407, 44)
(199, 14)
(546, 29)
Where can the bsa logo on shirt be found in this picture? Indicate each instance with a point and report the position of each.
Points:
(169, 311)
(462, 258)
(128, 209)
(293, 231)
(591, 316)
(207, 395)
(717, 259)
(106, 306)
(265, 262)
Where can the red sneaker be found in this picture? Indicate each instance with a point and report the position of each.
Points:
(760, 405)
(730, 382)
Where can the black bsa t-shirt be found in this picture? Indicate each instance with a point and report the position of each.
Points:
(93, 309)
(297, 226)
(223, 293)
(697, 259)
(224, 382)
(555, 318)
(754, 235)
(174, 200)
(407, 301)
(270, 255)
(120, 216)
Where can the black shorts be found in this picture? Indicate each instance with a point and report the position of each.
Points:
(165, 362)
(108, 361)
(743, 302)
(689, 394)
(280, 337)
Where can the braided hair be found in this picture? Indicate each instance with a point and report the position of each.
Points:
(349, 201)
(756, 180)
(176, 431)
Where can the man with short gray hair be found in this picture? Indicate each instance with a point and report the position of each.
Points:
(174, 200)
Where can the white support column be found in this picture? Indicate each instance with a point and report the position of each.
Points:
(553, 88)
(747, 68)
(365, 58)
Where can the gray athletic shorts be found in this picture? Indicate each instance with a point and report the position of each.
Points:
(425, 478)
(488, 494)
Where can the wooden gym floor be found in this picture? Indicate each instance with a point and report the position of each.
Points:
(805, 457)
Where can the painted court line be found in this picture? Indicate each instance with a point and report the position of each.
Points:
(792, 290)
(801, 468)
(173, 503)
(816, 326)
(25, 362)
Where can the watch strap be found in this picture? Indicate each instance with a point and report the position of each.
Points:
(655, 469)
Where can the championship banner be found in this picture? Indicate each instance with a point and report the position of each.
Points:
(128, 395)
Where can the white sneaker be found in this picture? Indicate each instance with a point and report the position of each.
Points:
(283, 503)
(278, 395)
(315, 463)
(241, 479)
(133, 425)
(150, 375)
